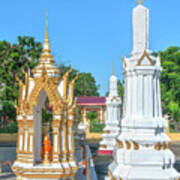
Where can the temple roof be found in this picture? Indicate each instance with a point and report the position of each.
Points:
(93, 100)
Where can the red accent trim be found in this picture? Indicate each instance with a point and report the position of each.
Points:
(90, 104)
(105, 152)
(90, 100)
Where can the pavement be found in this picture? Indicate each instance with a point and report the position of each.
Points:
(8, 154)
(99, 162)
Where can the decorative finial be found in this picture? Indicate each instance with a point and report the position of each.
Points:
(139, 1)
(46, 41)
(46, 35)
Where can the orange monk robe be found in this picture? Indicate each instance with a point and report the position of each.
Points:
(47, 147)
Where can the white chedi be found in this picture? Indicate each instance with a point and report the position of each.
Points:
(112, 118)
(142, 151)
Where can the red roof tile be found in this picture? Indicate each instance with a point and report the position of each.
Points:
(91, 100)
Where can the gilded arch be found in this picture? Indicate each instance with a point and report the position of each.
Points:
(50, 87)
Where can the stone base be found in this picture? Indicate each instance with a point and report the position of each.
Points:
(53, 171)
(21, 178)
(105, 152)
(145, 174)
(153, 172)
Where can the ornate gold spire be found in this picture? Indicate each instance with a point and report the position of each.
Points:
(46, 41)
(46, 60)
(139, 1)
(46, 52)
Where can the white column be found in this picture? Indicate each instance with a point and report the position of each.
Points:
(131, 85)
(159, 96)
(134, 90)
(112, 114)
(146, 96)
(150, 111)
(157, 100)
(115, 113)
(108, 114)
(155, 108)
(125, 96)
(128, 105)
(26, 141)
(140, 95)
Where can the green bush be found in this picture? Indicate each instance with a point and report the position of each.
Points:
(93, 116)
(9, 110)
(96, 127)
(10, 128)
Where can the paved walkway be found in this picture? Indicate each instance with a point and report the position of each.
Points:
(101, 163)
(9, 153)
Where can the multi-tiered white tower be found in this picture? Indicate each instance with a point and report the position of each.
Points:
(112, 119)
(142, 151)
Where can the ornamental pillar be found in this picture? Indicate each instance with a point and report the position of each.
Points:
(146, 96)
(155, 108)
(103, 115)
(150, 92)
(56, 139)
(70, 135)
(64, 139)
(159, 96)
(70, 141)
(140, 94)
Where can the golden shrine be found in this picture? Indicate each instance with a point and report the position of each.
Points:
(45, 83)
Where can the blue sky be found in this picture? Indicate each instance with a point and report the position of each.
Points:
(90, 34)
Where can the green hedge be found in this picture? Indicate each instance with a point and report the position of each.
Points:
(96, 128)
(10, 128)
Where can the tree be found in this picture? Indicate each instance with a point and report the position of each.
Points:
(23, 54)
(170, 83)
(13, 57)
(120, 89)
(175, 114)
(85, 85)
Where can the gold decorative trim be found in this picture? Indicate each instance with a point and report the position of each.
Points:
(168, 145)
(120, 143)
(106, 132)
(109, 173)
(124, 61)
(128, 145)
(147, 145)
(145, 54)
(103, 146)
(136, 145)
(157, 146)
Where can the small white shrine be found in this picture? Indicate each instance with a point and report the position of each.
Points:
(112, 118)
(142, 151)
(38, 158)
